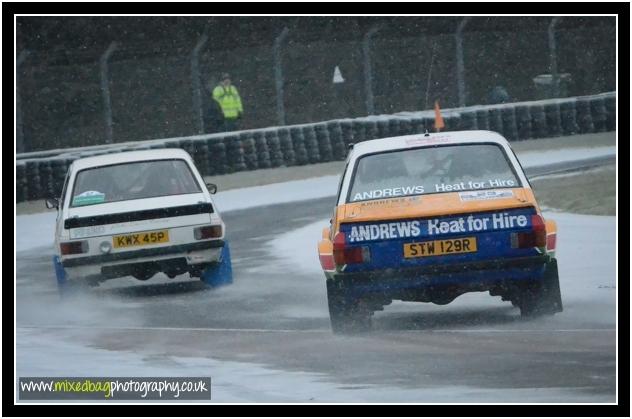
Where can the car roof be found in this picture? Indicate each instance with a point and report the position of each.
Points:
(131, 156)
(429, 139)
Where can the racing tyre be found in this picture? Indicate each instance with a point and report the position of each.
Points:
(544, 297)
(348, 315)
(221, 273)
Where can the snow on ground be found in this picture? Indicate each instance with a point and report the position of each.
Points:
(239, 382)
(277, 193)
(34, 230)
(302, 244)
(537, 158)
(586, 247)
(579, 237)
(591, 172)
(38, 229)
(585, 251)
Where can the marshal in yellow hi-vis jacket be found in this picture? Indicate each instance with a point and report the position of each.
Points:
(228, 98)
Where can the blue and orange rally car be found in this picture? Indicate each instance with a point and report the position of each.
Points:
(429, 217)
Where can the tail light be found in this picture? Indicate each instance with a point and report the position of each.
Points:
(327, 262)
(347, 255)
(73, 248)
(534, 238)
(551, 241)
(207, 232)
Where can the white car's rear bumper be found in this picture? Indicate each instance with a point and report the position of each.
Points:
(162, 259)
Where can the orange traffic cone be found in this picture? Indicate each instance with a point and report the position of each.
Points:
(439, 124)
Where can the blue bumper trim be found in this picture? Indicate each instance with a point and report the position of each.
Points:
(469, 275)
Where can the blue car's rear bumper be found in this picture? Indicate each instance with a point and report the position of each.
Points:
(465, 276)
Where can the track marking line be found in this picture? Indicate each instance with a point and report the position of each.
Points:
(211, 329)
(514, 330)
(184, 329)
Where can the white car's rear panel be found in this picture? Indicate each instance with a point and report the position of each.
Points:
(113, 233)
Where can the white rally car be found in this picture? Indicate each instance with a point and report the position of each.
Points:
(138, 213)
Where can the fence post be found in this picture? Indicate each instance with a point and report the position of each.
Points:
(19, 128)
(368, 71)
(460, 66)
(105, 90)
(278, 74)
(195, 82)
(553, 55)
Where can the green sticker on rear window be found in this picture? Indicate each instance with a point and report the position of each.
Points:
(88, 198)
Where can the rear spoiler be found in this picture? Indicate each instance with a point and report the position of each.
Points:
(123, 217)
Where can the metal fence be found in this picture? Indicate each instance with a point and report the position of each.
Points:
(131, 90)
(40, 176)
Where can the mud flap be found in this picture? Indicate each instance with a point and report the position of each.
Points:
(543, 297)
(222, 273)
(348, 315)
(551, 289)
(60, 272)
(62, 277)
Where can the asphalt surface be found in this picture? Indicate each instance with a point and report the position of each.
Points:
(278, 317)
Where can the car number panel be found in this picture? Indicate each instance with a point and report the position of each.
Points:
(440, 247)
(143, 238)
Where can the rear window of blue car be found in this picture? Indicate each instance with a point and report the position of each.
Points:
(431, 170)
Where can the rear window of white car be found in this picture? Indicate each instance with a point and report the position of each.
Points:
(431, 170)
(135, 180)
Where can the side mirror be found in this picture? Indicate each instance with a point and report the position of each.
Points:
(212, 188)
(52, 203)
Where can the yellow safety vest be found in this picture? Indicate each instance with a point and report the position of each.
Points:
(229, 101)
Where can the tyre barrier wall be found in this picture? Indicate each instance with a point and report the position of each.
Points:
(261, 148)
(298, 142)
(250, 151)
(324, 143)
(539, 129)
(371, 130)
(217, 154)
(287, 150)
(338, 147)
(272, 140)
(311, 144)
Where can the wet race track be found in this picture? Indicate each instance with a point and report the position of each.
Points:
(271, 326)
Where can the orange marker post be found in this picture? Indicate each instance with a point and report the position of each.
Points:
(439, 124)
